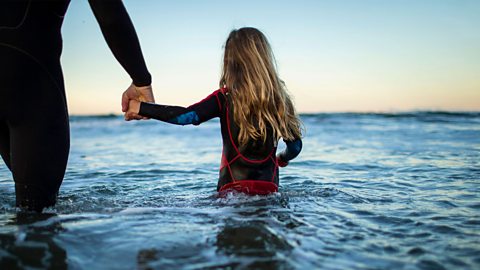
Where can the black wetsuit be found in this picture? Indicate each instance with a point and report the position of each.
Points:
(34, 127)
(249, 167)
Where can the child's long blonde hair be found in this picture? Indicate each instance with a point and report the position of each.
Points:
(259, 96)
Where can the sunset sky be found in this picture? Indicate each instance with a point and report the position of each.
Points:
(333, 55)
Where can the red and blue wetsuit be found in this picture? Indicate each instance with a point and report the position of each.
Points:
(252, 168)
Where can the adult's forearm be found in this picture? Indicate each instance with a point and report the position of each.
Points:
(120, 35)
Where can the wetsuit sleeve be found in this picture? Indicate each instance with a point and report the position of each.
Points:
(118, 30)
(293, 149)
(195, 114)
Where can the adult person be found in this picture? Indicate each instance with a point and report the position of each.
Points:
(34, 126)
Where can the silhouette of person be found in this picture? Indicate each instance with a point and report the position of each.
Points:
(34, 125)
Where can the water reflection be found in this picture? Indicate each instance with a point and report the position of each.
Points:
(251, 238)
(33, 244)
(146, 257)
(253, 245)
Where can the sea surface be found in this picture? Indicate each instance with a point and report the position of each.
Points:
(368, 191)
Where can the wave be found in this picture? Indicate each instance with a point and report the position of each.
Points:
(398, 114)
(74, 118)
(422, 116)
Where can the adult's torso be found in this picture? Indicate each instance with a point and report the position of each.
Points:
(33, 28)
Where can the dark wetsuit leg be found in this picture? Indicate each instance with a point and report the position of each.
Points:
(5, 142)
(34, 129)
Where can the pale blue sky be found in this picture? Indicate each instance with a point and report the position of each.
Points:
(333, 55)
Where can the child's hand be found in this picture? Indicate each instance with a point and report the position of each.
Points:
(281, 163)
(133, 110)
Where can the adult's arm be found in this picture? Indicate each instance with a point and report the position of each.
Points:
(118, 30)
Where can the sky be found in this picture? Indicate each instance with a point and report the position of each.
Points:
(334, 56)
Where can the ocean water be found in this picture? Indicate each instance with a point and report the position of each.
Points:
(368, 191)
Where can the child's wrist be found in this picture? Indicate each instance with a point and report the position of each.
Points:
(138, 106)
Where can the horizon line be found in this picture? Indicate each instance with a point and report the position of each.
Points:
(392, 112)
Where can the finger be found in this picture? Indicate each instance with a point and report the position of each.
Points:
(130, 93)
(129, 116)
(134, 116)
(124, 102)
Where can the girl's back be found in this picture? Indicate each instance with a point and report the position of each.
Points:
(253, 161)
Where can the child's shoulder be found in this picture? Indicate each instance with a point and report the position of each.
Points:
(223, 90)
(221, 96)
(221, 93)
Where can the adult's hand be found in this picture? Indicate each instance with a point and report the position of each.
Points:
(143, 93)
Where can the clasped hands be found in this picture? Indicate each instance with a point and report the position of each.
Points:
(131, 99)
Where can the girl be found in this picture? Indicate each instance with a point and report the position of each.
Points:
(255, 112)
